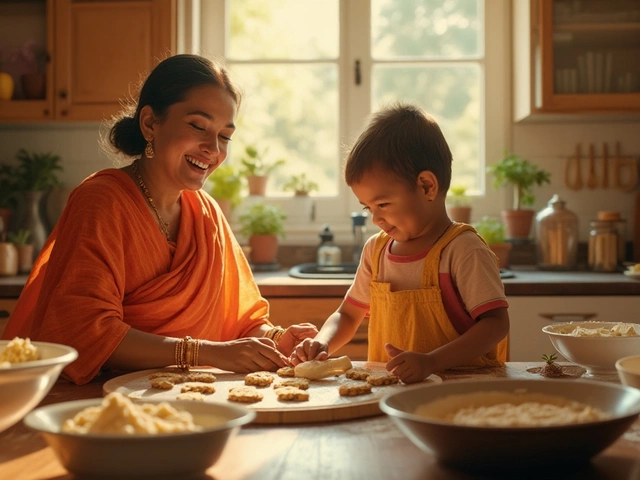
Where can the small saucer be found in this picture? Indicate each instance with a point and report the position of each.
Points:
(568, 371)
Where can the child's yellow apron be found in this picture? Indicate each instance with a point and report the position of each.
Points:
(416, 319)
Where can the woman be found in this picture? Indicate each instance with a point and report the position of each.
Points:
(142, 270)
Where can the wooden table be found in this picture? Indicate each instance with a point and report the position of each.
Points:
(368, 449)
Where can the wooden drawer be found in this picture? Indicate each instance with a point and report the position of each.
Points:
(287, 311)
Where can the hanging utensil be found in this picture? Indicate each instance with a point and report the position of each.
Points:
(575, 184)
(605, 165)
(592, 181)
(620, 165)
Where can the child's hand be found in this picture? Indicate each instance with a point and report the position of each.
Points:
(294, 334)
(309, 349)
(410, 367)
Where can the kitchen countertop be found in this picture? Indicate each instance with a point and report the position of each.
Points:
(528, 281)
(368, 448)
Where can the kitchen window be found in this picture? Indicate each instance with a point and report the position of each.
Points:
(314, 70)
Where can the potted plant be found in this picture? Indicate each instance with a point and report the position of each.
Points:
(522, 175)
(8, 191)
(262, 224)
(225, 185)
(36, 174)
(32, 59)
(300, 185)
(459, 204)
(25, 249)
(493, 232)
(257, 169)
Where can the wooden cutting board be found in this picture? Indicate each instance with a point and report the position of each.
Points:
(324, 405)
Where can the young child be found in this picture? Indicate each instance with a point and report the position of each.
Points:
(431, 286)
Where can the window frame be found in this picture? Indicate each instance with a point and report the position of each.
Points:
(355, 102)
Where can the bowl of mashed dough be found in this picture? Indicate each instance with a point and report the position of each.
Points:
(596, 346)
(117, 437)
(28, 370)
(504, 424)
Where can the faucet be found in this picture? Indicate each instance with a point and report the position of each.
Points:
(359, 228)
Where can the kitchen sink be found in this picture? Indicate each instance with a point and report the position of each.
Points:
(343, 271)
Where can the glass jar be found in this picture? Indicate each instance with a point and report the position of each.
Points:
(328, 252)
(603, 246)
(621, 227)
(557, 236)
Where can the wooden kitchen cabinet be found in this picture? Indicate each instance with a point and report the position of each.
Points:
(529, 314)
(576, 57)
(99, 50)
(287, 311)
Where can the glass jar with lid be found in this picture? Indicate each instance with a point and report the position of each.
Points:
(620, 224)
(557, 236)
(603, 246)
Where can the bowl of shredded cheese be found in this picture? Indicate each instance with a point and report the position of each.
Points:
(117, 436)
(28, 370)
(596, 346)
(513, 424)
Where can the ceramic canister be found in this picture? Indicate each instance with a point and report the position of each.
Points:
(8, 259)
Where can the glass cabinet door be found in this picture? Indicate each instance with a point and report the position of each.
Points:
(587, 55)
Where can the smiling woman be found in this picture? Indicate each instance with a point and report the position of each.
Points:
(142, 270)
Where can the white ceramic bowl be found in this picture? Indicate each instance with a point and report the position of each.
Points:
(598, 355)
(493, 448)
(177, 455)
(24, 385)
(629, 370)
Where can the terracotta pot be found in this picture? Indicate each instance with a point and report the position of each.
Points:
(257, 185)
(25, 258)
(34, 85)
(502, 251)
(8, 259)
(518, 223)
(459, 214)
(264, 248)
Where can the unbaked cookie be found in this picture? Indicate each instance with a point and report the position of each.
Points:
(301, 383)
(288, 371)
(358, 373)
(382, 378)
(194, 396)
(352, 389)
(292, 394)
(203, 377)
(205, 388)
(245, 394)
(162, 383)
(259, 379)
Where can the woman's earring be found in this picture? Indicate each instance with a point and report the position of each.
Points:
(148, 150)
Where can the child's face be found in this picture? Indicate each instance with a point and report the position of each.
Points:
(403, 211)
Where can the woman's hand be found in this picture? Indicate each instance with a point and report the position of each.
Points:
(295, 334)
(409, 367)
(244, 355)
(309, 349)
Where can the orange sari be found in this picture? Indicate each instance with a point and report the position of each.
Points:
(107, 267)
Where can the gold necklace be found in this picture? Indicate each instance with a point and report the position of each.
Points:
(164, 226)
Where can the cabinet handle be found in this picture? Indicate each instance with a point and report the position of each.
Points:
(568, 317)
(62, 94)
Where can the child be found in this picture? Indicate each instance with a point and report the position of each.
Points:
(431, 286)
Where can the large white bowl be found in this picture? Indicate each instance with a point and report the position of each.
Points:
(492, 448)
(598, 355)
(176, 455)
(24, 385)
(629, 370)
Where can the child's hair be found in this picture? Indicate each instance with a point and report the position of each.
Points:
(405, 140)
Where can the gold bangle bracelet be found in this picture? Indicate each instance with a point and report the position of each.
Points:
(275, 333)
(186, 352)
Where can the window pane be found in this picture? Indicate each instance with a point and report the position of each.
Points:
(293, 111)
(425, 28)
(452, 95)
(283, 29)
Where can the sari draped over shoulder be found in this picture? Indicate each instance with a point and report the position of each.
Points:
(107, 267)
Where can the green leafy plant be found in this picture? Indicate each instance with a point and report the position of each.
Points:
(457, 196)
(262, 219)
(226, 184)
(549, 358)
(37, 171)
(491, 230)
(21, 237)
(300, 185)
(522, 175)
(550, 368)
(254, 163)
(8, 186)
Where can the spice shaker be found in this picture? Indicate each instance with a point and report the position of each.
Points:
(557, 236)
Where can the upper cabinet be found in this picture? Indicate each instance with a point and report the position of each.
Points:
(576, 57)
(99, 50)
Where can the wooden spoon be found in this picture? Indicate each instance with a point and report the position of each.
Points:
(592, 181)
(577, 183)
(605, 165)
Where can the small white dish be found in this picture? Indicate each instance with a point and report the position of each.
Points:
(630, 274)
